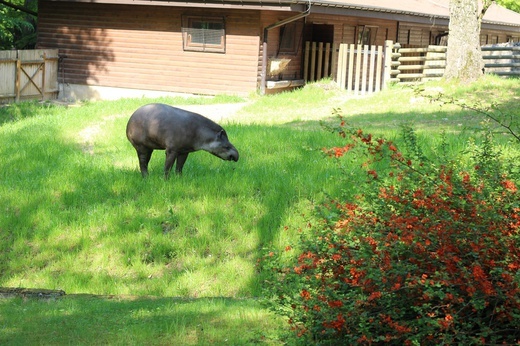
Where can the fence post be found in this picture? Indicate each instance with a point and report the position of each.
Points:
(320, 60)
(364, 72)
(313, 62)
(18, 77)
(306, 61)
(342, 66)
(372, 68)
(357, 75)
(326, 71)
(379, 69)
(351, 63)
(387, 67)
(334, 59)
(43, 75)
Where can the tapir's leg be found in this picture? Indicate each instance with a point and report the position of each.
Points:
(171, 156)
(181, 159)
(144, 156)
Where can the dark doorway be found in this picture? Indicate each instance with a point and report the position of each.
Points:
(322, 33)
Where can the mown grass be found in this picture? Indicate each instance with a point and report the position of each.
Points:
(136, 321)
(76, 215)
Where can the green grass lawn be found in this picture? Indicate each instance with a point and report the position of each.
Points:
(76, 215)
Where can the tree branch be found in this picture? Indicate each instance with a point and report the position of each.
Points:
(19, 8)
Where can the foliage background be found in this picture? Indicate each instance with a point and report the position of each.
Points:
(17, 28)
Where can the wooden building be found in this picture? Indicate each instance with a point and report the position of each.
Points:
(227, 46)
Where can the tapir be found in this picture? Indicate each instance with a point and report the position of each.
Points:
(158, 126)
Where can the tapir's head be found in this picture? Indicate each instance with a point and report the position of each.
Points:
(221, 147)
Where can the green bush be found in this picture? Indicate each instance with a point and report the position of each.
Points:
(428, 254)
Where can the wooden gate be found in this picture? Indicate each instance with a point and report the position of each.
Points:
(360, 68)
(28, 74)
(319, 59)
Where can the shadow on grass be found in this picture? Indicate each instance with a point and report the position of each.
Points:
(102, 320)
(24, 110)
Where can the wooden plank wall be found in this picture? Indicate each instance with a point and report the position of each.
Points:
(494, 37)
(420, 64)
(416, 35)
(141, 47)
(413, 35)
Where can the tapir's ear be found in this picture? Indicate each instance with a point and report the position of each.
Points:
(222, 134)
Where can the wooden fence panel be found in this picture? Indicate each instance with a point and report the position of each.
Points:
(367, 69)
(319, 58)
(360, 68)
(411, 65)
(7, 73)
(28, 74)
(502, 60)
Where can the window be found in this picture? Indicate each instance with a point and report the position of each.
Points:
(204, 34)
(367, 34)
(288, 38)
(290, 35)
(491, 39)
(513, 39)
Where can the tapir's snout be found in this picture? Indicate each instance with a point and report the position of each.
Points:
(233, 156)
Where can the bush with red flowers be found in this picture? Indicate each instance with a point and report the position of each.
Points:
(429, 254)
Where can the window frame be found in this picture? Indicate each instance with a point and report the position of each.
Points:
(372, 34)
(190, 26)
(287, 43)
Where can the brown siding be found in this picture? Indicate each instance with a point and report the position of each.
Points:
(493, 36)
(345, 28)
(416, 35)
(141, 47)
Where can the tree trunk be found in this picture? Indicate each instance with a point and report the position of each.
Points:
(464, 57)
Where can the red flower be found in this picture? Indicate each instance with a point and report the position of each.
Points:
(306, 295)
(339, 322)
(509, 185)
(335, 303)
(373, 173)
(374, 295)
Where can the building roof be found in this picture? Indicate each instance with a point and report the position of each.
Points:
(412, 10)
(495, 14)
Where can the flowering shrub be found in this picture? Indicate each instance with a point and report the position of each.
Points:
(429, 254)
